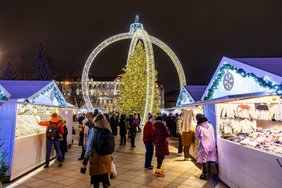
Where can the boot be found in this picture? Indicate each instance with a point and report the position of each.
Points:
(205, 173)
(159, 172)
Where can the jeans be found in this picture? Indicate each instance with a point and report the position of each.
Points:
(49, 144)
(149, 153)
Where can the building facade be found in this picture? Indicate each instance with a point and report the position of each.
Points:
(103, 92)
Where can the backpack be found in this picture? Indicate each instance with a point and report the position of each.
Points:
(52, 131)
(104, 142)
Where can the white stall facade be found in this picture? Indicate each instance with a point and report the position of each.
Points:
(244, 99)
(23, 138)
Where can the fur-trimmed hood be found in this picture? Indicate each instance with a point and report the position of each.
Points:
(103, 124)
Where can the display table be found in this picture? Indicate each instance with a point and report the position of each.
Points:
(244, 166)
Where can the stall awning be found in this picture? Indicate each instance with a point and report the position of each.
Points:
(34, 92)
(231, 98)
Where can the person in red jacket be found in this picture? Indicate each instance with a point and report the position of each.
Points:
(148, 139)
(53, 131)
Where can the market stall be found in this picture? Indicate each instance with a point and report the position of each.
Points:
(246, 108)
(187, 99)
(23, 138)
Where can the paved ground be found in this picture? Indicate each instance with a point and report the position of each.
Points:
(129, 163)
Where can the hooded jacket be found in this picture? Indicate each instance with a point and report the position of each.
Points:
(98, 164)
(53, 120)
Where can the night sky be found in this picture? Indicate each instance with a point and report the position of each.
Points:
(199, 32)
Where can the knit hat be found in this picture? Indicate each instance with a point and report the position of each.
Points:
(149, 116)
(54, 114)
(96, 112)
(201, 118)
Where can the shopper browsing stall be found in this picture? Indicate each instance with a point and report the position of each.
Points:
(206, 150)
(187, 133)
(53, 131)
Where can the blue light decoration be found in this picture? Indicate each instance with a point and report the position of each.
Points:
(57, 95)
(262, 81)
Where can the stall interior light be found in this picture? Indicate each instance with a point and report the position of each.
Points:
(66, 112)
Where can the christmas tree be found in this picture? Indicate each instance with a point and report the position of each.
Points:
(132, 97)
(41, 61)
(8, 72)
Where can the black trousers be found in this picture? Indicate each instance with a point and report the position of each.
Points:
(122, 139)
(160, 161)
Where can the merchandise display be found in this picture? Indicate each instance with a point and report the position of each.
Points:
(240, 123)
(27, 118)
(27, 125)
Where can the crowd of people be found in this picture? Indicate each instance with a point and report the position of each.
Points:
(156, 133)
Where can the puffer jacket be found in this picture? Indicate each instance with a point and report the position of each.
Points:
(100, 164)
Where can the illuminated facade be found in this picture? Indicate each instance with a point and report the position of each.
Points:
(103, 92)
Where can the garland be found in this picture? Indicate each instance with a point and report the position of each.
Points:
(2, 95)
(277, 88)
(181, 96)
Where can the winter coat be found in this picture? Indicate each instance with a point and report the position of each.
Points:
(100, 164)
(63, 142)
(148, 132)
(161, 134)
(122, 127)
(53, 120)
(206, 149)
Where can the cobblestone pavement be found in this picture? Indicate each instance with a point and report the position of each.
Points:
(130, 167)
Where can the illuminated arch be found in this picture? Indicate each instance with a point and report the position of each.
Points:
(148, 41)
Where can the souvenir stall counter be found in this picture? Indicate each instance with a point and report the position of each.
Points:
(246, 95)
(23, 139)
(250, 142)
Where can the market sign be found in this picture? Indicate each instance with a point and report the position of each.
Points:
(233, 77)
